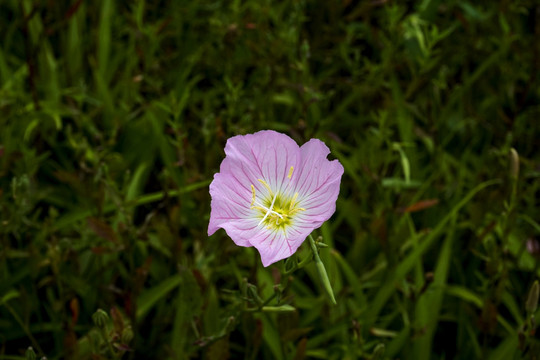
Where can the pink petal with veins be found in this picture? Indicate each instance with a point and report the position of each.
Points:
(269, 156)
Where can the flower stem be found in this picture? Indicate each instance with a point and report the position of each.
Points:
(321, 270)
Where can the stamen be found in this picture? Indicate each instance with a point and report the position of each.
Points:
(262, 208)
(293, 201)
(252, 195)
(296, 210)
(290, 172)
(266, 186)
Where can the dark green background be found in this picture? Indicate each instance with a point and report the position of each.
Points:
(113, 119)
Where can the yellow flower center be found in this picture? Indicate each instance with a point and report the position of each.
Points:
(276, 210)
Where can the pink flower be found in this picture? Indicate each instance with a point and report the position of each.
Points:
(271, 194)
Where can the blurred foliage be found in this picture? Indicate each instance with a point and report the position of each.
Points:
(113, 118)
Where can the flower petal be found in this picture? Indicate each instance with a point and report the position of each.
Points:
(241, 231)
(315, 169)
(276, 245)
(317, 183)
(230, 203)
(263, 161)
(265, 155)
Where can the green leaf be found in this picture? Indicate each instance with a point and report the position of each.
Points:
(281, 308)
(150, 297)
(410, 260)
(187, 305)
(10, 294)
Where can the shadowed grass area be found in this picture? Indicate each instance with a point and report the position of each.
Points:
(114, 116)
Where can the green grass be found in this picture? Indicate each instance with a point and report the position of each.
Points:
(113, 119)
